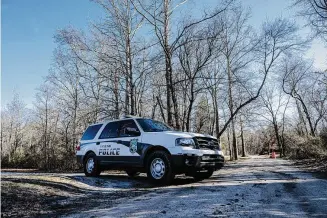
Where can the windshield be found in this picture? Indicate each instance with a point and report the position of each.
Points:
(149, 125)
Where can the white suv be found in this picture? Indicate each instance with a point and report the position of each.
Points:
(144, 145)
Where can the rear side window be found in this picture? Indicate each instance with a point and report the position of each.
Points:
(110, 131)
(90, 132)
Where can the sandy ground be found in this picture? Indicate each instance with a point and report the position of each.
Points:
(256, 187)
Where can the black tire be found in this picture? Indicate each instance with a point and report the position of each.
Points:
(203, 175)
(160, 159)
(132, 173)
(95, 171)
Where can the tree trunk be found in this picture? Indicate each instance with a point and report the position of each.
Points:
(234, 142)
(116, 95)
(302, 120)
(167, 62)
(45, 134)
(231, 156)
(126, 94)
(242, 138)
(230, 97)
(279, 145)
(283, 129)
(216, 111)
(189, 112)
(74, 118)
(188, 117)
(175, 102)
(161, 109)
(184, 109)
(307, 115)
(130, 74)
(154, 106)
(9, 140)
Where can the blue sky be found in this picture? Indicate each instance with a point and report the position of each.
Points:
(28, 26)
(27, 30)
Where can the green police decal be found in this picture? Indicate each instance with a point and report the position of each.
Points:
(133, 146)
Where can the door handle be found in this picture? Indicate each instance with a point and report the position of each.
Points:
(98, 143)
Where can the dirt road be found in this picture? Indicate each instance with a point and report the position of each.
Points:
(257, 187)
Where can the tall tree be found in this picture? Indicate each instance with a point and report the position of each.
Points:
(274, 104)
(194, 57)
(159, 14)
(45, 115)
(301, 83)
(120, 28)
(238, 45)
(277, 38)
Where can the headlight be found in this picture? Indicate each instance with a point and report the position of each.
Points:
(185, 142)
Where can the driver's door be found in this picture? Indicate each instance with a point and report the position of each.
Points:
(129, 139)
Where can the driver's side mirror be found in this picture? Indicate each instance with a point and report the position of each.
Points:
(132, 131)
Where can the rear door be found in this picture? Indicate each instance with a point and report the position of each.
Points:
(116, 144)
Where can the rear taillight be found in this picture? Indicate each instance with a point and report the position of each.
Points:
(78, 148)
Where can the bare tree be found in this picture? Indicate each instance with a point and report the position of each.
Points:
(194, 57)
(43, 108)
(14, 120)
(65, 79)
(120, 28)
(238, 45)
(277, 38)
(213, 77)
(316, 13)
(274, 106)
(199, 74)
(158, 14)
(296, 73)
(301, 83)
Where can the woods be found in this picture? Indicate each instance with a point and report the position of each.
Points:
(209, 72)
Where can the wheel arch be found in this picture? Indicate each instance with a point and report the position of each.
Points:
(87, 153)
(151, 150)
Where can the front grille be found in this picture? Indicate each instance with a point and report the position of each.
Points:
(212, 158)
(205, 142)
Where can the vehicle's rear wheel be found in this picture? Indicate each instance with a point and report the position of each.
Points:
(203, 175)
(91, 166)
(132, 173)
(159, 169)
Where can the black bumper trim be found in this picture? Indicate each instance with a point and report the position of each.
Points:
(79, 159)
(184, 163)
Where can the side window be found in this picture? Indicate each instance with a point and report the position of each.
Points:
(128, 128)
(110, 131)
(90, 132)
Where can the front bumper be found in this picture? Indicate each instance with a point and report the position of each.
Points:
(186, 162)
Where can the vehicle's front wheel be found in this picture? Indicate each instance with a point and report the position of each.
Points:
(91, 167)
(132, 173)
(159, 169)
(203, 175)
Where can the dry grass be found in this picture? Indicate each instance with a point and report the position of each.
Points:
(318, 165)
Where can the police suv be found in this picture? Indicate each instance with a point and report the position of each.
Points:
(144, 145)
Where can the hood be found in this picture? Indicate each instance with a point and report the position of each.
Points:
(180, 134)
